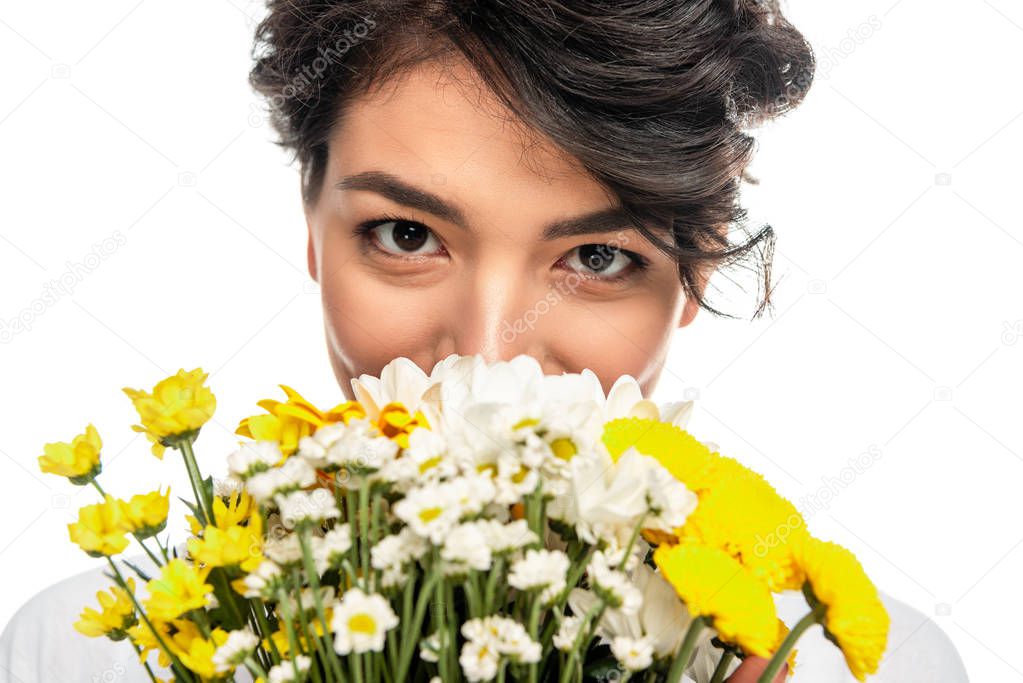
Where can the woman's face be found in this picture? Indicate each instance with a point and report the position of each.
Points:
(442, 228)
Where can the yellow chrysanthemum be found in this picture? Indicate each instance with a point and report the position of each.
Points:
(287, 422)
(195, 651)
(146, 639)
(178, 406)
(239, 507)
(743, 515)
(677, 450)
(396, 423)
(147, 512)
(714, 585)
(179, 588)
(116, 617)
(101, 528)
(236, 545)
(78, 461)
(854, 617)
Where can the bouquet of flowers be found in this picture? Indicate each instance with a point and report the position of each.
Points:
(483, 522)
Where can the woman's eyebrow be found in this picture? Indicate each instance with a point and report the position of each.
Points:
(609, 219)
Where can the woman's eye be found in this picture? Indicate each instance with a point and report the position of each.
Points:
(404, 238)
(600, 260)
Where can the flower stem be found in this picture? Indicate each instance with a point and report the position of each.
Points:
(255, 667)
(685, 650)
(205, 503)
(584, 628)
(409, 644)
(179, 668)
(289, 627)
(314, 583)
(722, 667)
(782, 653)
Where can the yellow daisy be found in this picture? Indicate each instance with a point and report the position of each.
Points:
(147, 512)
(235, 545)
(78, 461)
(146, 639)
(179, 588)
(287, 422)
(714, 585)
(195, 651)
(853, 616)
(116, 617)
(101, 528)
(177, 407)
(237, 510)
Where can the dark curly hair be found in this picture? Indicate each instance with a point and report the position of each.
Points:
(650, 96)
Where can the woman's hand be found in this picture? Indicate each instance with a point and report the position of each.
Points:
(751, 668)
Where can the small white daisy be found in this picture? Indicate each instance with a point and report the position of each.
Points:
(239, 645)
(361, 621)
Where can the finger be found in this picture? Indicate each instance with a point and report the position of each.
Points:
(751, 668)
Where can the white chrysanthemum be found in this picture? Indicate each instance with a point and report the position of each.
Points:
(514, 479)
(312, 506)
(635, 654)
(430, 647)
(313, 447)
(362, 449)
(603, 496)
(567, 633)
(227, 487)
(613, 585)
(484, 403)
(625, 399)
(669, 501)
(239, 645)
(543, 570)
(263, 581)
(662, 618)
(294, 474)
(505, 538)
(504, 635)
(331, 549)
(465, 548)
(284, 550)
(470, 492)
(479, 660)
(304, 602)
(427, 452)
(360, 622)
(253, 457)
(430, 511)
(397, 549)
(573, 413)
(394, 577)
(608, 499)
(285, 671)
(400, 381)
(514, 641)
(564, 639)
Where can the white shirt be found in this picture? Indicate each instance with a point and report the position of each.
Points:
(40, 645)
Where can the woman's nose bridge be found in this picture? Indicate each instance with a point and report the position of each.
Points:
(501, 315)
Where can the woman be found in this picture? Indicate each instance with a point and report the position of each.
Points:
(524, 176)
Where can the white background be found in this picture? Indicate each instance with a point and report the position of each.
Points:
(898, 326)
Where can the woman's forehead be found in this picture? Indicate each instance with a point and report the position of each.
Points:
(437, 128)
